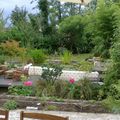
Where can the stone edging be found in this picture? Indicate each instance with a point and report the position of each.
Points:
(67, 105)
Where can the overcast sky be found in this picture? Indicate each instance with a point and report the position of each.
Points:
(9, 5)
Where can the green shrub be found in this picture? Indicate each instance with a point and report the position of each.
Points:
(111, 104)
(51, 75)
(10, 105)
(85, 66)
(115, 91)
(39, 87)
(51, 107)
(38, 56)
(85, 89)
(61, 88)
(12, 48)
(95, 90)
(2, 59)
(45, 90)
(21, 90)
(112, 77)
(66, 57)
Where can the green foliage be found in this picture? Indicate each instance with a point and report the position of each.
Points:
(115, 91)
(10, 105)
(66, 57)
(82, 89)
(96, 91)
(113, 73)
(39, 87)
(47, 90)
(18, 15)
(72, 29)
(49, 42)
(21, 90)
(2, 22)
(61, 88)
(106, 24)
(51, 73)
(23, 78)
(112, 78)
(38, 56)
(112, 104)
(51, 107)
(2, 59)
(85, 89)
(12, 48)
(115, 52)
(43, 7)
(85, 66)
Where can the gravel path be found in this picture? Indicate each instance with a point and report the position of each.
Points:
(14, 115)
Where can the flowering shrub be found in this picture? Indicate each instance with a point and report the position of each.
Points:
(26, 89)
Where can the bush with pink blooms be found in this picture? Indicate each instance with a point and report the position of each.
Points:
(26, 89)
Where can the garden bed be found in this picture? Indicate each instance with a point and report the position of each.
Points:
(63, 105)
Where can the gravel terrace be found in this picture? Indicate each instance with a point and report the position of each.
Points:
(14, 115)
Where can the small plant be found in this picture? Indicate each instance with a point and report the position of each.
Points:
(51, 74)
(85, 66)
(71, 88)
(66, 57)
(51, 107)
(2, 59)
(43, 101)
(23, 78)
(10, 105)
(85, 89)
(38, 56)
(21, 90)
(111, 104)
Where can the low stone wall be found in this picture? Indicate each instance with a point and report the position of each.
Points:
(66, 105)
(66, 75)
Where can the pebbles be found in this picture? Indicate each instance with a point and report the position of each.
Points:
(15, 115)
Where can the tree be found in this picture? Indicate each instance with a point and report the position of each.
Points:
(105, 27)
(18, 15)
(72, 30)
(43, 8)
(2, 21)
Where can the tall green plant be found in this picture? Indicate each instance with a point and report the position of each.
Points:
(66, 57)
(51, 73)
(38, 56)
(43, 7)
(105, 26)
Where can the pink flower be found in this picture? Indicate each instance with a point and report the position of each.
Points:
(28, 83)
(72, 80)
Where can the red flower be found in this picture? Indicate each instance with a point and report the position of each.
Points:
(72, 80)
(28, 83)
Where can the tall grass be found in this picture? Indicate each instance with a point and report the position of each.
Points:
(66, 57)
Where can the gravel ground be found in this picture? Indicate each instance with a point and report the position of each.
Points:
(14, 115)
